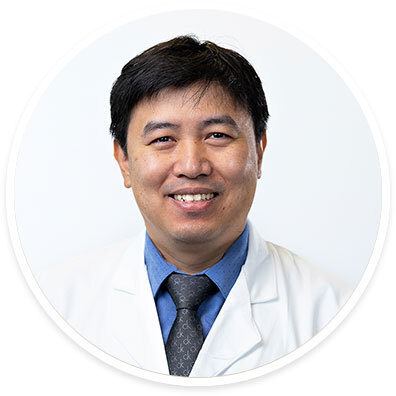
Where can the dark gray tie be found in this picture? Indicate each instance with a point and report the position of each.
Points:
(186, 337)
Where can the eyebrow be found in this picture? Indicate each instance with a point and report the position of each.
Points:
(223, 119)
(154, 125)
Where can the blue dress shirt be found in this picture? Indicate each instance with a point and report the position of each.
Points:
(223, 274)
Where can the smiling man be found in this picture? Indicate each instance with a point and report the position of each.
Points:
(193, 166)
(200, 293)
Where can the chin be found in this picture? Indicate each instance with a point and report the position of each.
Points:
(194, 234)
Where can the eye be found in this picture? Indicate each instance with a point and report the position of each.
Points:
(162, 139)
(219, 135)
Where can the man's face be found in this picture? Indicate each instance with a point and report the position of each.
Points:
(192, 165)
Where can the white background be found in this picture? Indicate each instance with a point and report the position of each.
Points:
(36, 357)
(320, 193)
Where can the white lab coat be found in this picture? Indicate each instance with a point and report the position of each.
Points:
(278, 302)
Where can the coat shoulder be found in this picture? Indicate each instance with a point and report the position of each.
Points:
(304, 274)
(308, 287)
(74, 283)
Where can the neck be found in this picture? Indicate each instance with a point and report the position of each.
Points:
(192, 258)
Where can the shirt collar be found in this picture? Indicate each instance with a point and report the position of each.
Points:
(224, 273)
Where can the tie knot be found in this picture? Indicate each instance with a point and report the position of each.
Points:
(188, 291)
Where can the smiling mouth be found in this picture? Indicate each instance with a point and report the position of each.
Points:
(193, 197)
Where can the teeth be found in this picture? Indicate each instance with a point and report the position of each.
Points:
(193, 197)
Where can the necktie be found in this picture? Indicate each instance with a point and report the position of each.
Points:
(186, 337)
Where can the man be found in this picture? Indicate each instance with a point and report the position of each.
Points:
(200, 293)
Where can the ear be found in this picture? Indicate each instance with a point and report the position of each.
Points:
(123, 163)
(260, 147)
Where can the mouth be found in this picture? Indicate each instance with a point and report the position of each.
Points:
(191, 198)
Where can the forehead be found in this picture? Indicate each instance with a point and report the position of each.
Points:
(190, 103)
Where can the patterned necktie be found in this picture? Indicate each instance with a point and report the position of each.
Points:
(186, 337)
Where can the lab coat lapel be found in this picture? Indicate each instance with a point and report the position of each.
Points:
(234, 332)
(134, 316)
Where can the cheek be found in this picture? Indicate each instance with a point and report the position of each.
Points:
(240, 167)
(240, 175)
(146, 171)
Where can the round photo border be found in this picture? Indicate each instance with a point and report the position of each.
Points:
(203, 381)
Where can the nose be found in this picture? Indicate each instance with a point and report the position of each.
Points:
(191, 160)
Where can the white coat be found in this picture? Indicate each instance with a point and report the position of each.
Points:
(277, 303)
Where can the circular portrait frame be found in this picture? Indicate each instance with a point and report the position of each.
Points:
(23, 249)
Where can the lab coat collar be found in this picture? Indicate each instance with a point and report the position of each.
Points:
(260, 269)
(125, 279)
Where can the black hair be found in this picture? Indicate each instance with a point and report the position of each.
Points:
(181, 62)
